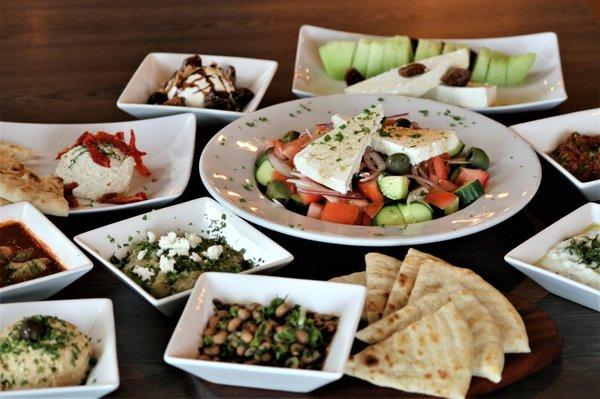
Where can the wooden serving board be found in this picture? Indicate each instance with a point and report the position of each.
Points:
(545, 341)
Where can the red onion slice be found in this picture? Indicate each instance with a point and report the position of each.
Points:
(314, 210)
(374, 161)
(279, 165)
(331, 193)
(369, 176)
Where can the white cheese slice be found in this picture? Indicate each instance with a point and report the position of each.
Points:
(392, 83)
(419, 144)
(470, 96)
(335, 157)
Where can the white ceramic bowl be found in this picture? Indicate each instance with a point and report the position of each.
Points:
(193, 217)
(525, 256)
(344, 300)
(515, 171)
(544, 135)
(76, 264)
(168, 141)
(543, 88)
(94, 317)
(157, 68)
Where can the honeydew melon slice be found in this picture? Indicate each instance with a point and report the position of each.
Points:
(422, 51)
(361, 56)
(518, 67)
(435, 48)
(337, 57)
(496, 73)
(482, 64)
(405, 54)
(375, 64)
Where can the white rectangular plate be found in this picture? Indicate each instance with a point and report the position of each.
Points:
(190, 217)
(525, 256)
(543, 88)
(157, 68)
(94, 317)
(544, 135)
(168, 141)
(343, 300)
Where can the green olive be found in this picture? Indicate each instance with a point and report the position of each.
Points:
(398, 163)
(478, 158)
(278, 190)
(289, 136)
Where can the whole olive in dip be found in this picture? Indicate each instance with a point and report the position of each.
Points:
(32, 329)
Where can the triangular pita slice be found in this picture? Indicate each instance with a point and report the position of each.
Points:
(488, 356)
(435, 274)
(381, 273)
(405, 280)
(358, 278)
(432, 356)
(14, 151)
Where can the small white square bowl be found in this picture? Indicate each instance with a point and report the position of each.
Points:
(191, 217)
(157, 68)
(94, 317)
(76, 264)
(544, 135)
(343, 300)
(525, 256)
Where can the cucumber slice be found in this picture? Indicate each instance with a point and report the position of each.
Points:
(389, 215)
(457, 150)
(260, 159)
(393, 187)
(277, 190)
(297, 200)
(469, 192)
(415, 212)
(453, 207)
(264, 172)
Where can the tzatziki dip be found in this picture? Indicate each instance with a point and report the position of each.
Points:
(577, 258)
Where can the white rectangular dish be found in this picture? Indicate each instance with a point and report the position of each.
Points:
(525, 256)
(542, 89)
(94, 317)
(192, 217)
(343, 300)
(157, 68)
(65, 252)
(544, 135)
(169, 144)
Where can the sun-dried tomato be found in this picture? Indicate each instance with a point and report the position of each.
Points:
(114, 198)
(68, 194)
(77, 142)
(137, 155)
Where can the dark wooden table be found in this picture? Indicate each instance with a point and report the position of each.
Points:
(67, 61)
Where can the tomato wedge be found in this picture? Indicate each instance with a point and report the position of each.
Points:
(341, 212)
(373, 209)
(293, 147)
(466, 175)
(309, 198)
(440, 199)
(439, 167)
(371, 190)
(281, 177)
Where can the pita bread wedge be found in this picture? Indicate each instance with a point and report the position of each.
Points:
(435, 274)
(488, 355)
(358, 278)
(404, 280)
(431, 356)
(19, 183)
(14, 151)
(381, 273)
(4, 202)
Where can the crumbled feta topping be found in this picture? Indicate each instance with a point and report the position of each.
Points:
(166, 264)
(195, 257)
(193, 239)
(175, 245)
(159, 252)
(151, 236)
(145, 273)
(213, 252)
(142, 254)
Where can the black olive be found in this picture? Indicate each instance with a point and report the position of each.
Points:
(242, 96)
(402, 122)
(157, 98)
(353, 76)
(194, 61)
(32, 329)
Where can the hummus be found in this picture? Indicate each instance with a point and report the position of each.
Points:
(95, 180)
(577, 258)
(41, 352)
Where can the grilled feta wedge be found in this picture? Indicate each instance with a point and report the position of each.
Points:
(391, 82)
(470, 96)
(335, 157)
(419, 144)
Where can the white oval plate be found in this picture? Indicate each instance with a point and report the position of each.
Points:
(543, 88)
(227, 169)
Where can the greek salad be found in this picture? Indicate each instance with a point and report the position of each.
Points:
(372, 170)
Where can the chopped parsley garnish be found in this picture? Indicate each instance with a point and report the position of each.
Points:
(424, 112)
(110, 238)
(327, 138)
(339, 136)
(248, 186)
(145, 217)
(250, 124)
(587, 250)
(262, 118)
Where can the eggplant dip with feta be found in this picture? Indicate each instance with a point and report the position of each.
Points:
(41, 352)
(278, 334)
(372, 170)
(577, 258)
(172, 263)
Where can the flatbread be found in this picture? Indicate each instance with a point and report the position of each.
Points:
(14, 151)
(435, 274)
(4, 202)
(488, 355)
(404, 280)
(358, 278)
(19, 183)
(381, 273)
(432, 356)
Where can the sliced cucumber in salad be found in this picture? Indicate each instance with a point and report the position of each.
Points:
(453, 207)
(389, 215)
(393, 187)
(457, 150)
(469, 192)
(415, 212)
(264, 172)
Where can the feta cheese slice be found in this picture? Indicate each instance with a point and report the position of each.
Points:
(470, 96)
(213, 252)
(419, 144)
(392, 83)
(335, 157)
